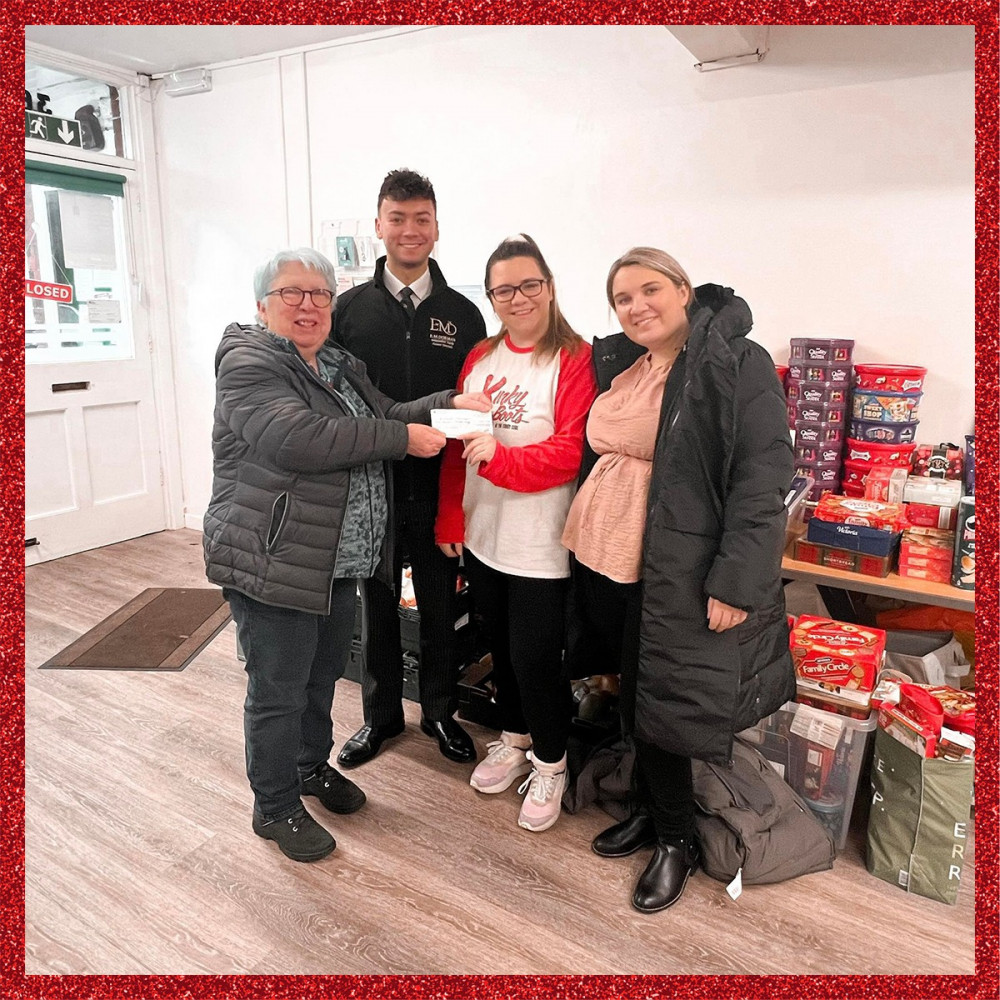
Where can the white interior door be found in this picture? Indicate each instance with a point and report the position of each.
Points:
(92, 449)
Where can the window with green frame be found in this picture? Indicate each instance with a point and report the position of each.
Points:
(75, 237)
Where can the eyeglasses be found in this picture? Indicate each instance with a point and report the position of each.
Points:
(530, 288)
(321, 297)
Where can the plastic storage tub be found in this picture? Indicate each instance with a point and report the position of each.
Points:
(890, 378)
(817, 413)
(817, 349)
(823, 452)
(816, 371)
(823, 474)
(855, 474)
(822, 755)
(816, 392)
(813, 431)
(872, 453)
(885, 407)
(870, 430)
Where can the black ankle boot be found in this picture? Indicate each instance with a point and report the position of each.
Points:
(663, 881)
(625, 838)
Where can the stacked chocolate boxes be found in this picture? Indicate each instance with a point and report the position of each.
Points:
(853, 534)
(817, 388)
(883, 425)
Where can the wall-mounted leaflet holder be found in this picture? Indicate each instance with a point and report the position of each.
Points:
(69, 386)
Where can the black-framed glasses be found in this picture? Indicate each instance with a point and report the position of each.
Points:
(531, 288)
(321, 297)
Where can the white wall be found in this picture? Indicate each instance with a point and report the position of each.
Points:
(831, 185)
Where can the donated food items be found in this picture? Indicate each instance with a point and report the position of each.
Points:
(883, 421)
(836, 657)
(817, 387)
(942, 461)
(963, 571)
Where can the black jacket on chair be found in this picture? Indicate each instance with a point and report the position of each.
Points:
(715, 527)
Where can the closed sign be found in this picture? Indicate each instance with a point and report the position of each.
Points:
(47, 290)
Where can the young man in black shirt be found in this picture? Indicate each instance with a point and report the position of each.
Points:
(413, 333)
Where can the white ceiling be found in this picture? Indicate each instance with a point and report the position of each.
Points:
(878, 50)
(154, 49)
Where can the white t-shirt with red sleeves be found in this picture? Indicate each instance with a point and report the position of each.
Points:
(510, 512)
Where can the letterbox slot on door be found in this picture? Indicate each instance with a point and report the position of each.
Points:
(69, 386)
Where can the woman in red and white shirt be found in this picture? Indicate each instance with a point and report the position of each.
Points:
(504, 508)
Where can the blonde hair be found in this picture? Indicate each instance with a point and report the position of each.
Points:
(655, 260)
(559, 333)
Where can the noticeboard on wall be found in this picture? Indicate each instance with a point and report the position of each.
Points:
(353, 247)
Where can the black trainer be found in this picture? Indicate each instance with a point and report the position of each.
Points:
(299, 836)
(335, 792)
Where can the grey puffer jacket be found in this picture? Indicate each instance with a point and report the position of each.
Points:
(284, 445)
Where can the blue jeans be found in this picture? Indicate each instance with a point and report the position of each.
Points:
(293, 661)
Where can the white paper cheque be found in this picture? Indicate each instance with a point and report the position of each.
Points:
(455, 423)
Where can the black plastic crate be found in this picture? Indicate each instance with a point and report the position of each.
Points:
(352, 671)
(411, 683)
(411, 668)
(409, 626)
(475, 698)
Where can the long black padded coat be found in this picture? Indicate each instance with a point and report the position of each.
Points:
(715, 527)
(284, 445)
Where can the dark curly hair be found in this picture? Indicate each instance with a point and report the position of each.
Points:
(405, 185)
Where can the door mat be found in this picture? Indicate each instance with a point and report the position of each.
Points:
(164, 628)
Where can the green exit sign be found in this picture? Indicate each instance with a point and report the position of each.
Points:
(48, 128)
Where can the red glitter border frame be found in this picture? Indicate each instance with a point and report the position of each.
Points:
(981, 13)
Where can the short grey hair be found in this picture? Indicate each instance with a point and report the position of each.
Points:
(305, 256)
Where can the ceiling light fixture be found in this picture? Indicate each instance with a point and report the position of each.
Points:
(188, 81)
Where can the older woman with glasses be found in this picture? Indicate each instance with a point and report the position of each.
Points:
(299, 511)
(503, 509)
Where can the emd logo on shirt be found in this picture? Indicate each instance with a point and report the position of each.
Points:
(443, 332)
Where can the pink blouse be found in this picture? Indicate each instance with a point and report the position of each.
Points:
(608, 516)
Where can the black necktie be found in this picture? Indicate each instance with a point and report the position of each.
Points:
(406, 300)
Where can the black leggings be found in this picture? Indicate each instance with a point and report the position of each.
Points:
(525, 620)
(609, 613)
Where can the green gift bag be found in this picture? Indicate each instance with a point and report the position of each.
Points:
(919, 821)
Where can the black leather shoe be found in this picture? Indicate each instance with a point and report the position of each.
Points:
(366, 743)
(625, 838)
(663, 881)
(455, 743)
(299, 836)
(337, 793)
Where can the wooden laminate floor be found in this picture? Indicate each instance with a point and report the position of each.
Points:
(140, 857)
